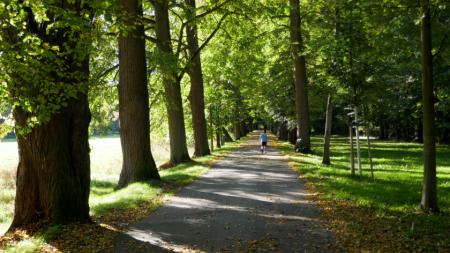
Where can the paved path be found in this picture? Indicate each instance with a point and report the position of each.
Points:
(247, 202)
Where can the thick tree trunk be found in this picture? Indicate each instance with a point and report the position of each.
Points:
(53, 175)
(292, 136)
(196, 95)
(300, 80)
(327, 135)
(138, 163)
(429, 192)
(172, 89)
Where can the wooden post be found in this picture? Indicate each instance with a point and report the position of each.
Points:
(358, 147)
(352, 152)
(369, 151)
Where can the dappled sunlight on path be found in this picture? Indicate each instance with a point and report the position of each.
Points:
(248, 200)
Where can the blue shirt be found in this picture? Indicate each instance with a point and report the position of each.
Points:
(263, 137)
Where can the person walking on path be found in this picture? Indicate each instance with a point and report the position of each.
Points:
(263, 140)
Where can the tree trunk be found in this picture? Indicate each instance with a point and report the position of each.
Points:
(237, 129)
(138, 163)
(242, 128)
(300, 80)
(218, 139)
(282, 132)
(383, 135)
(327, 136)
(292, 136)
(211, 128)
(429, 192)
(53, 175)
(172, 89)
(419, 135)
(196, 95)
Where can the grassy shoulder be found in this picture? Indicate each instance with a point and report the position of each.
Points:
(380, 214)
(112, 211)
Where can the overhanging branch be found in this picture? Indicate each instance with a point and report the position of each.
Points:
(183, 71)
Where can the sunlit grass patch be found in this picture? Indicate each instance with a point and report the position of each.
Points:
(127, 198)
(390, 200)
(111, 210)
(26, 246)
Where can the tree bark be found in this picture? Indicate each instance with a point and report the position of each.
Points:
(211, 128)
(292, 136)
(282, 132)
(300, 79)
(196, 94)
(172, 89)
(429, 192)
(53, 175)
(327, 135)
(138, 163)
(218, 139)
(237, 129)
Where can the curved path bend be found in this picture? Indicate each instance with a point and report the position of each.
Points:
(248, 202)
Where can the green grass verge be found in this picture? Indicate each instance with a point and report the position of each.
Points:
(397, 167)
(394, 193)
(126, 205)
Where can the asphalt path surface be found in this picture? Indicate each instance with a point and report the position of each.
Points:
(248, 202)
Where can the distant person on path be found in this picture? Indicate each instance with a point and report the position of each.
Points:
(263, 140)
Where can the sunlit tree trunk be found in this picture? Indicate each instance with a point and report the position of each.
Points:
(327, 135)
(196, 95)
(429, 192)
(300, 80)
(138, 163)
(172, 89)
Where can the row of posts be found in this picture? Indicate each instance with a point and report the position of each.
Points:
(354, 125)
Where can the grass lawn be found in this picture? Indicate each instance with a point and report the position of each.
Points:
(380, 214)
(112, 211)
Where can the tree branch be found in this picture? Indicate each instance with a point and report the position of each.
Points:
(183, 71)
(150, 38)
(106, 72)
(180, 40)
(209, 11)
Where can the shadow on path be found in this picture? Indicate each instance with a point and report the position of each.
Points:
(247, 202)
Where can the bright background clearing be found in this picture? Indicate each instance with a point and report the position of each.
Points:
(106, 163)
